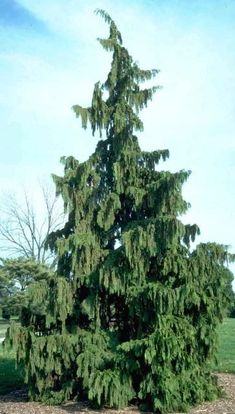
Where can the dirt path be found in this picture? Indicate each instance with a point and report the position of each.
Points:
(16, 403)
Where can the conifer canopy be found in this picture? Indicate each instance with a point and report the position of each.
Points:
(132, 312)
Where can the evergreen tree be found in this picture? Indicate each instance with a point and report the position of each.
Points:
(132, 313)
(15, 277)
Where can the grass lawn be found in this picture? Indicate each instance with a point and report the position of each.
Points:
(11, 378)
(226, 351)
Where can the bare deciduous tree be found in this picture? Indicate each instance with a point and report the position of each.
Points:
(24, 226)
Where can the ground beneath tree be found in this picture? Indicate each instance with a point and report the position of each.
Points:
(16, 403)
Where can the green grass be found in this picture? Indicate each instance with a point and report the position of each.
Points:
(226, 351)
(11, 378)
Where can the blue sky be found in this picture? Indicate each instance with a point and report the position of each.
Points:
(50, 60)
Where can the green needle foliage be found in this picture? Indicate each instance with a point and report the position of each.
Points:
(132, 313)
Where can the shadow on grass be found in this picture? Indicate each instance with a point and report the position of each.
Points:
(11, 378)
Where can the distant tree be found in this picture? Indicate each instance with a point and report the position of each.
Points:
(6, 288)
(24, 229)
(4, 284)
(15, 277)
(133, 312)
(21, 272)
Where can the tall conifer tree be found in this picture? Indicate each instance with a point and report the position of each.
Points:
(132, 313)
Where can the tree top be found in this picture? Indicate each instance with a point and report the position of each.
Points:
(118, 114)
